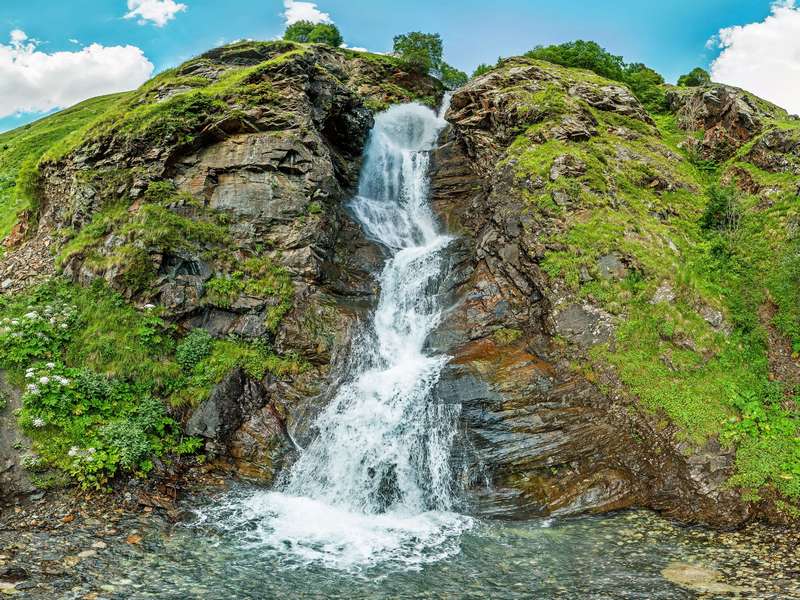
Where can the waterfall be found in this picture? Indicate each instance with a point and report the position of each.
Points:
(375, 483)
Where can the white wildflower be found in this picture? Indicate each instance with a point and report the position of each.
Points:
(38, 422)
(91, 450)
(51, 365)
(30, 375)
(32, 388)
(61, 380)
(33, 315)
(149, 306)
(64, 326)
(74, 451)
(15, 321)
(53, 321)
(44, 380)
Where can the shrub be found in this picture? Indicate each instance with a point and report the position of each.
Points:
(723, 211)
(195, 347)
(695, 77)
(419, 51)
(93, 427)
(451, 77)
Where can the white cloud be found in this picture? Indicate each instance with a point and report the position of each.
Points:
(764, 57)
(35, 81)
(159, 12)
(304, 11)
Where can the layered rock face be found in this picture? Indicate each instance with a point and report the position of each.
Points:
(217, 193)
(536, 154)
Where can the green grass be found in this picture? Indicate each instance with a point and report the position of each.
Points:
(21, 149)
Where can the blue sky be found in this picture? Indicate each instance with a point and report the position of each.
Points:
(669, 36)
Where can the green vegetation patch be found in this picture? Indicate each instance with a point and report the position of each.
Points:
(715, 255)
(21, 149)
(99, 376)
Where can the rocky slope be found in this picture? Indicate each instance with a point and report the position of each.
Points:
(597, 339)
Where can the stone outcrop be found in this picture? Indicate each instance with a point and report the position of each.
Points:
(14, 478)
(728, 117)
(542, 437)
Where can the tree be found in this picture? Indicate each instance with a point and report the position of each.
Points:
(316, 33)
(451, 77)
(299, 32)
(646, 84)
(326, 34)
(419, 51)
(695, 77)
(481, 69)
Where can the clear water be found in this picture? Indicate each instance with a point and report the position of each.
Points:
(374, 482)
(592, 558)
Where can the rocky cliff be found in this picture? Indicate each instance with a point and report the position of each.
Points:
(601, 343)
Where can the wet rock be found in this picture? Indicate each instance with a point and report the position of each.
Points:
(548, 438)
(13, 574)
(226, 408)
(699, 579)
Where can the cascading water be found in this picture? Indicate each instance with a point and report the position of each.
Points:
(375, 483)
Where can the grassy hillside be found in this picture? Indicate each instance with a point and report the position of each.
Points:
(21, 149)
(710, 287)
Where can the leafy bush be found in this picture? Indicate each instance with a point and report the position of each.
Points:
(695, 77)
(316, 33)
(103, 418)
(421, 52)
(723, 211)
(451, 77)
(769, 438)
(195, 347)
(93, 427)
(37, 334)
